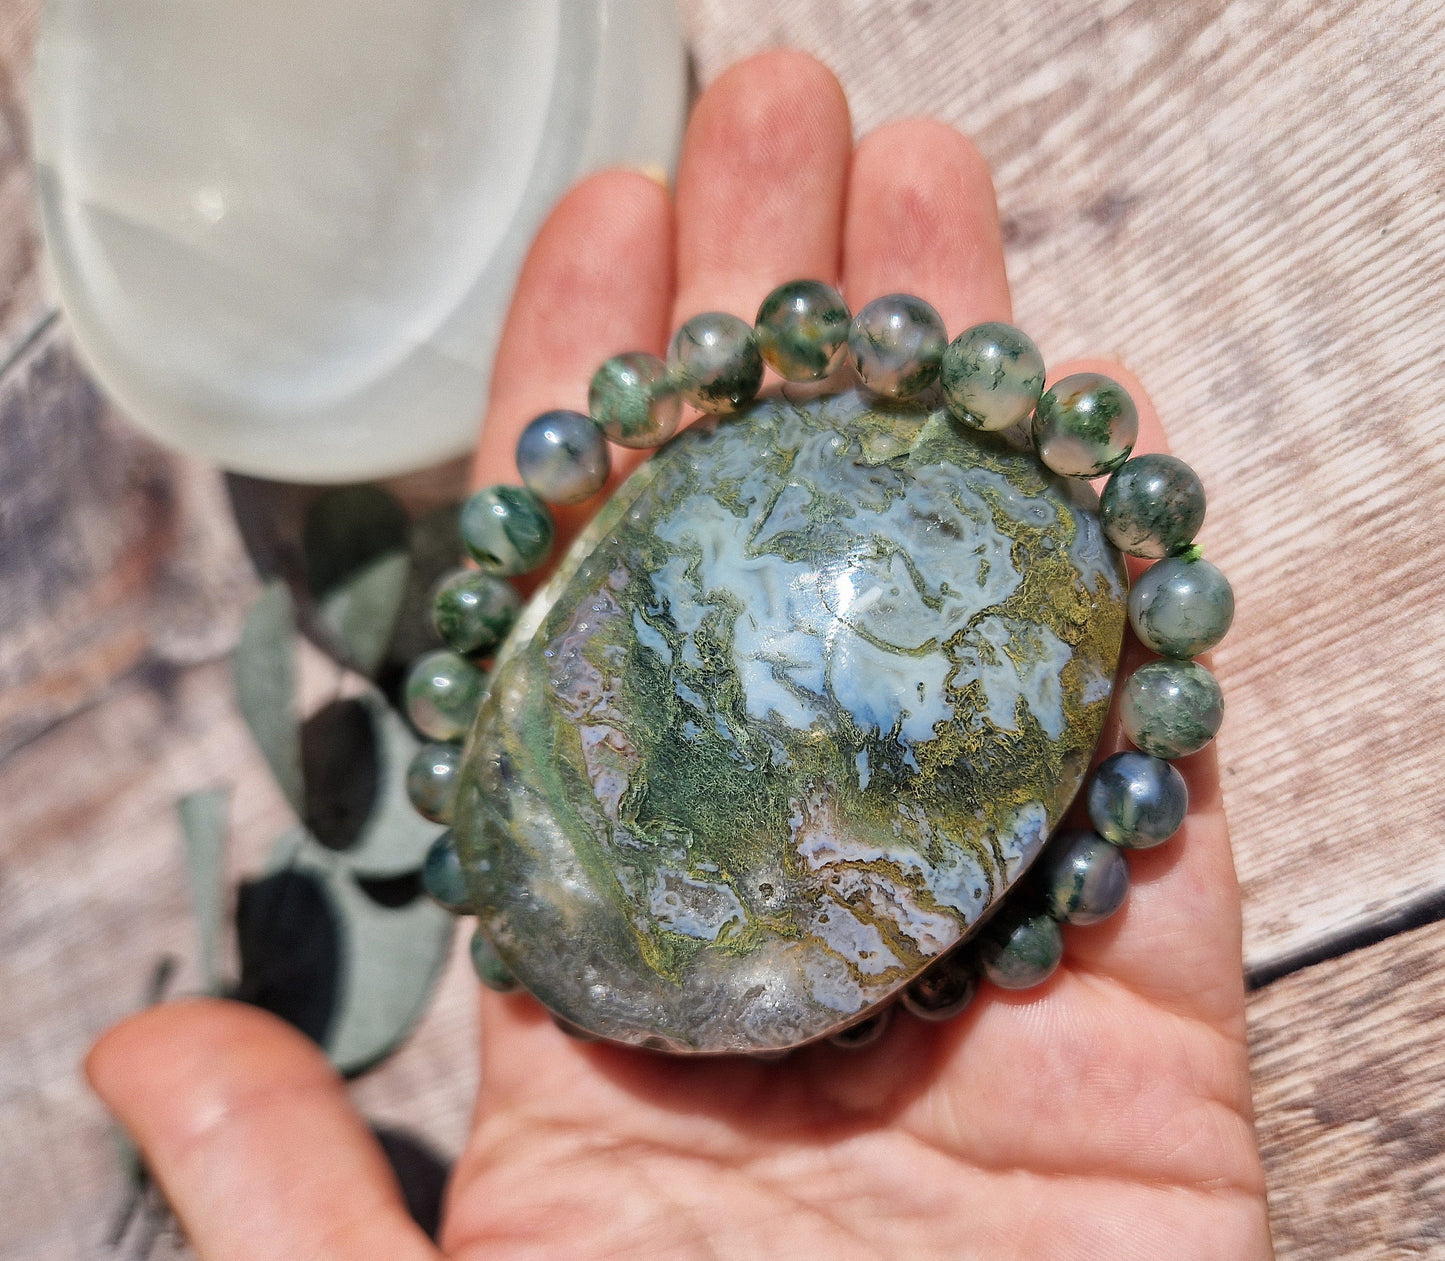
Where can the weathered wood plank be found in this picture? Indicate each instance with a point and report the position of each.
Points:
(93, 892)
(1349, 1088)
(111, 551)
(1243, 200)
(24, 297)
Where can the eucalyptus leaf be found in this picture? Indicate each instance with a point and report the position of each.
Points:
(265, 673)
(290, 940)
(203, 820)
(395, 838)
(339, 763)
(390, 959)
(356, 546)
(391, 940)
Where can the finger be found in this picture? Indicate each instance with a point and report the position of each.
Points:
(597, 281)
(1178, 938)
(249, 1132)
(761, 184)
(923, 219)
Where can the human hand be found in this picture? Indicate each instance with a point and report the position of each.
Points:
(1105, 1113)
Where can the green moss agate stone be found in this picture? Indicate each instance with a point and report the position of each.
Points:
(802, 703)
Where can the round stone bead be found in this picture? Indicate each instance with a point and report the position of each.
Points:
(473, 611)
(1171, 708)
(1137, 801)
(802, 330)
(431, 781)
(1152, 506)
(714, 361)
(562, 457)
(1021, 952)
(488, 965)
(1085, 425)
(442, 877)
(443, 692)
(865, 1033)
(507, 529)
(1181, 606)
(1084, 878)
(897, 344)
(992, 376)
(945, 989)
(633, 400)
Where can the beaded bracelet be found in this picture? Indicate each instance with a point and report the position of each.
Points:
(988, 380)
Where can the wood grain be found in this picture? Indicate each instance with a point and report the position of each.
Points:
(25, 301)
(113, 553)
(1349, 1088)
(1244, 201)
(93, 892)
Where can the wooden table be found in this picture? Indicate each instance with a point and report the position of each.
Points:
(1243, 198)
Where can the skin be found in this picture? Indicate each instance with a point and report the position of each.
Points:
(1103, 1114)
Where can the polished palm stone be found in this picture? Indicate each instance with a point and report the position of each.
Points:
(797, 708)
(442, 692)
(1085, 425)
(802, 330)
(1181, 606)
(488, 965)
(1084, 878)
(1171, 708)
(507, 529)
(992, 375)
(943, 991)
(633, 400)
(442, 876)
(473, 611)
(1136, 800)
(897, 344)
(431, 781)
(562, 457)
(1153, 505)
(1019, 952)
(714, 361)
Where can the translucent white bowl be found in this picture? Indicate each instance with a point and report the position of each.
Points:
(285, 231)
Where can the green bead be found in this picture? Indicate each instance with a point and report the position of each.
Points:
(443, 692)
(473, 611)
(802, 330)
(992, 375)
(865, 1033)
(1084, 878)
(490, 969)
(1085, 425)
(431, 781)
(562, 457)
(1021, 952)
(442, 876)
(715, 362)
(945, 989)
(1181, 606)
(897, 344)
(507, 529)
(1171, 708)
(634, 401)
(1152, 506)
(1137, 801)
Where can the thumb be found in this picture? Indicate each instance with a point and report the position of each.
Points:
(250, 1134)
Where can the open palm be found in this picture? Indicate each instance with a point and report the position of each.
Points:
(1104, 1114)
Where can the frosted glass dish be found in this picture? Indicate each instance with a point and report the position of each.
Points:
(285, 231)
